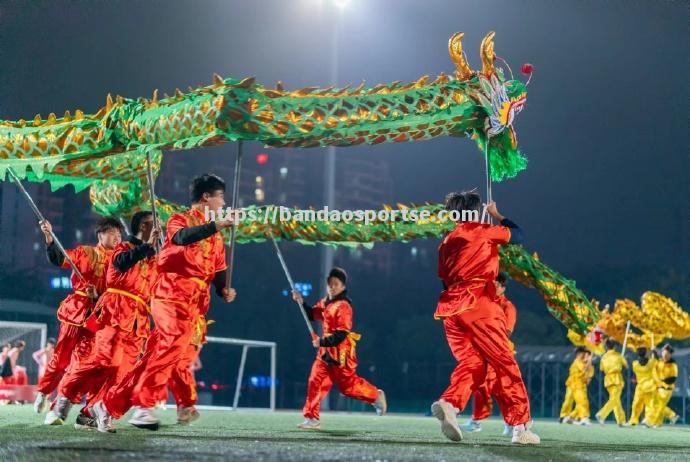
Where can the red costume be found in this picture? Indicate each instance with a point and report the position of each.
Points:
(123, 316)
(179, 294)
(335, 364)
(75, 342)
(474, 322)
(482, 396)
(182, 382)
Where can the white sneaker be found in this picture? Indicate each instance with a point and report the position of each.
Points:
(584, 421)
(310, 424)
(104, 421)
(187, 415)
(53, 419)
(145, 418)
(599, 419)
(522, 435)
(674, 419)
(40, 403)
(380, 404)
(447, 414)
(567, 420)
(471, 426)
(62, 407)
(162, 405)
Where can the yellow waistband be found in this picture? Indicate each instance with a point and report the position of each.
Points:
(200, 282)
(128, 295)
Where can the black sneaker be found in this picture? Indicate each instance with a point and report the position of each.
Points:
(84, 422)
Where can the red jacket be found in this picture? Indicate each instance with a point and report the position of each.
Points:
(125, 303)
(92, 263)
(468, 266)
(185, 271)
(337, 316)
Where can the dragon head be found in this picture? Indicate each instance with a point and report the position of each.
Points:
(501, 99)
(498, 100)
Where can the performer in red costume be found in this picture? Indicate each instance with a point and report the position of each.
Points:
(75, 342)
(122, 315)
(474, 321)
(336, 361)
(482, 406)
(182, 381)
(192, 257)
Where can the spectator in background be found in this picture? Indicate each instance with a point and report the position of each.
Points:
(18, 375)
(42, 356)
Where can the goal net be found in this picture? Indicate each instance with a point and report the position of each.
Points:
(33, 334)
(236, 373)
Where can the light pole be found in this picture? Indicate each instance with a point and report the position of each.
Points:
(329, 166)
(328, 252)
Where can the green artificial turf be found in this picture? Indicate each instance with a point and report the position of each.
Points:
(264, 436)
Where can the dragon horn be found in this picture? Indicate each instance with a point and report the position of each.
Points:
(462, 69)
(486, 53)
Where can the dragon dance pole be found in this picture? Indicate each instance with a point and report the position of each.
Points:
(487, 165)
(149, 174)
(489, 194)
(625, 338)
(292, 288)
(235, 199)
(41, 218)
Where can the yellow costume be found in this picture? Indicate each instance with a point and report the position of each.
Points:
(579, 375)
(645, 390)
(666, 372)
(612, 364)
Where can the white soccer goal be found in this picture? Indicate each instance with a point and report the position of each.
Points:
(217, 359)
(34, 334)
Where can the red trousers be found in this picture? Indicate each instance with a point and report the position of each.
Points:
(482, 396)
(182, 382)
(74, 344)
(116, 353)
(478, 338)
(174, 326)
(323, 376)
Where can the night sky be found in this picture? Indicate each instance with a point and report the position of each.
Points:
(605, 128)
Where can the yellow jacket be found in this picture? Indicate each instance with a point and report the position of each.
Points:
(579, 374)
(666, 370)
(612, 364)
(647, 380)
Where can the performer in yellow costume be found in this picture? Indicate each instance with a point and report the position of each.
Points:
(581, 372)
(612, 364)
(667, 373)
(644, 369)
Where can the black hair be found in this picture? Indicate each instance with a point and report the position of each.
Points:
(107, 223)
(668, 347)
(610, 344)
(642, 352)
(338, 273)
(466, 200)
(206, 183)
(50, 340)
(19, 343)
(502, 278)
(581, 349)
(137, 218)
